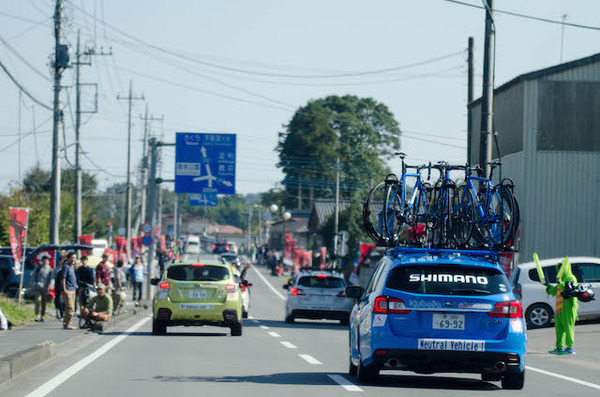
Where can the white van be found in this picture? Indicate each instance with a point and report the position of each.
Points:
(100, 245)
(538, 306)
(192, 245)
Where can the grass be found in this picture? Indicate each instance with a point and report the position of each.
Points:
(17, 315)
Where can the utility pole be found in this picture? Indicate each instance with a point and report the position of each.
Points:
(175, 217)
(299, 192)
(78, 183)
(61, 60)
(337, 202)
(469, 100)
(249, 233)
(129, 98)
(487, 98)
(144, 188)
(151, 208)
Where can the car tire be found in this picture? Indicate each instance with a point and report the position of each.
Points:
(289, 319)
(352, 369)
(367, 373)
(244, 314)
(514, 380)
(236, 329)
(159, 327)
(538, 315)
(345, 320)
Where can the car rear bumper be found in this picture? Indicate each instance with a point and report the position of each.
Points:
(184, 313)
(320, 314)
(432, 361)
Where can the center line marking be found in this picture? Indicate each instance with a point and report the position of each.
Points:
(274, 334)
(288, 345)
(310, 359)
(269, 284)
(568, 378)
(255, 321)
(263, 326)
(345, 383)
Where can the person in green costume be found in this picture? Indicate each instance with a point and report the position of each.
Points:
(565, 313)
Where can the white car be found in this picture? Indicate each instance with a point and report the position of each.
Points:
(317, 295)
(192, 245)
(538, 306)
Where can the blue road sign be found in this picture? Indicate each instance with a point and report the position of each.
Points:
(205, 163)
(204, 199)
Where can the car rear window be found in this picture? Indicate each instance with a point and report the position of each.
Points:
(321, 282)
(197, 273)
(443, 279)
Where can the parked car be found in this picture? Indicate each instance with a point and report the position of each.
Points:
(537, 304)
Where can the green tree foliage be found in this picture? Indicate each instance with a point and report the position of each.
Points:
(362, 132)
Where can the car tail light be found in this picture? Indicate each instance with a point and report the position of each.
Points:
(163, 285)
(321, 276)
(197, 264)
(513, 357)
(242, 288)
(341, 294)
(389, 305)
(297, 291)
(380, 352)
(231, 287)
(214, 246)
(508, 309)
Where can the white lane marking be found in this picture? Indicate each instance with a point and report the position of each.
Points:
(345, 383)
(274, 334)
(255, 321)
(310, 359)
(78, 366)
(269, 284)
(263, 326)
(251, 318)
(568, 378)
(288, 345)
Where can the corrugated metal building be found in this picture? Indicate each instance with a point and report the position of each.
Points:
(548, 125)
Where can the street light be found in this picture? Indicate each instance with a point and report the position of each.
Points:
(286, 217)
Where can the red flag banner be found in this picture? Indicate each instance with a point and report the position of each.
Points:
(112, 255)
(17, 231)
(86, 239)
(37, 260)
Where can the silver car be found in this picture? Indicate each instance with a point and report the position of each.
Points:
(317, 295)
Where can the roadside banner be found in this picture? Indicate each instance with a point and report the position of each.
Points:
(17, 230)
(112, 255)
(37, 260)
(87, 240)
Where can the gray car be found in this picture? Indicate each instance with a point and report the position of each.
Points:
(317, 295)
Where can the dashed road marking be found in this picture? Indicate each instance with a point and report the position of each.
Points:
(310, 359)
(345, 383)
(256, 321)
(567, 378)
(263, 327)
(274, 334)
(288, 345)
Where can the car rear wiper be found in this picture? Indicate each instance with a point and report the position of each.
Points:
(469, 291)
(209, 279)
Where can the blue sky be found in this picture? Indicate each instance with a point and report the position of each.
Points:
(248, 44)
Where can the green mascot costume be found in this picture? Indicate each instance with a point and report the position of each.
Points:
(565, 313)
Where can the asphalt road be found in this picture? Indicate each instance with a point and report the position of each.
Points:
(273, 358)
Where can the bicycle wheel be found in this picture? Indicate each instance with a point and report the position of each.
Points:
(441, 222)
(372, 212)
(393, 212)
(463, 213)
(500, 217)
(418, 215)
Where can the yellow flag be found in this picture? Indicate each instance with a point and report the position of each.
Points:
(539, 268)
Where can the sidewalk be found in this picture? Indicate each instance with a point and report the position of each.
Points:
(25, 347)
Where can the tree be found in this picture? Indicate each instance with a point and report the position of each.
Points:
(361, 132)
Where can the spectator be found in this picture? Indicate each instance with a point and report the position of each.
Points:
(138, 272)
(103, 273)
(40, 280)
(59, 303)
(120, 283)
(99, 307)
(85, 278)
(69, 289)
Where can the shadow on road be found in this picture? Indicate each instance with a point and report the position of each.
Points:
(320, 378)
(325, 325)
(148, 333)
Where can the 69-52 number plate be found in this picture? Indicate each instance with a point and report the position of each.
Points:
(449, 321)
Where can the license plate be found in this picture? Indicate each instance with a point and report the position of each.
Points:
(452, 344)
(195, 307)
(197, 294)
(449, 321)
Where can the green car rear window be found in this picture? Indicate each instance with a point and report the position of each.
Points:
(197, 273)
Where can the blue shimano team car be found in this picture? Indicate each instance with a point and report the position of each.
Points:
(431, 311)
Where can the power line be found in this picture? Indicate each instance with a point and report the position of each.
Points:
(515, 14)
(34, 99)
(24, 136)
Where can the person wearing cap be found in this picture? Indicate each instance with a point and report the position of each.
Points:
(100, 307)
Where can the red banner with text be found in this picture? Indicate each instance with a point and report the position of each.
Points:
(17, 231)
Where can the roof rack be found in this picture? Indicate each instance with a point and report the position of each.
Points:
(397, 251)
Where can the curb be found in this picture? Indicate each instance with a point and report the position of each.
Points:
(17, 363)
(104, 327)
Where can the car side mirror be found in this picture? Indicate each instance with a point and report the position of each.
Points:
(354, 291)
(286, 286)
(245, 283)
(154, 281)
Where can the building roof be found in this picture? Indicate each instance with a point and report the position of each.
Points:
(538, 74)
(224, 229)
(323, 209)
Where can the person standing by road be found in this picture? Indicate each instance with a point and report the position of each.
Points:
(566, 309)
(85, 279)
(40, 279)
(119, 283)
(56, 283)
(103, 274)
(69, 288)
(139, 271)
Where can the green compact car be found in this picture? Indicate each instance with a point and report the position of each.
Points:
(195, 294)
